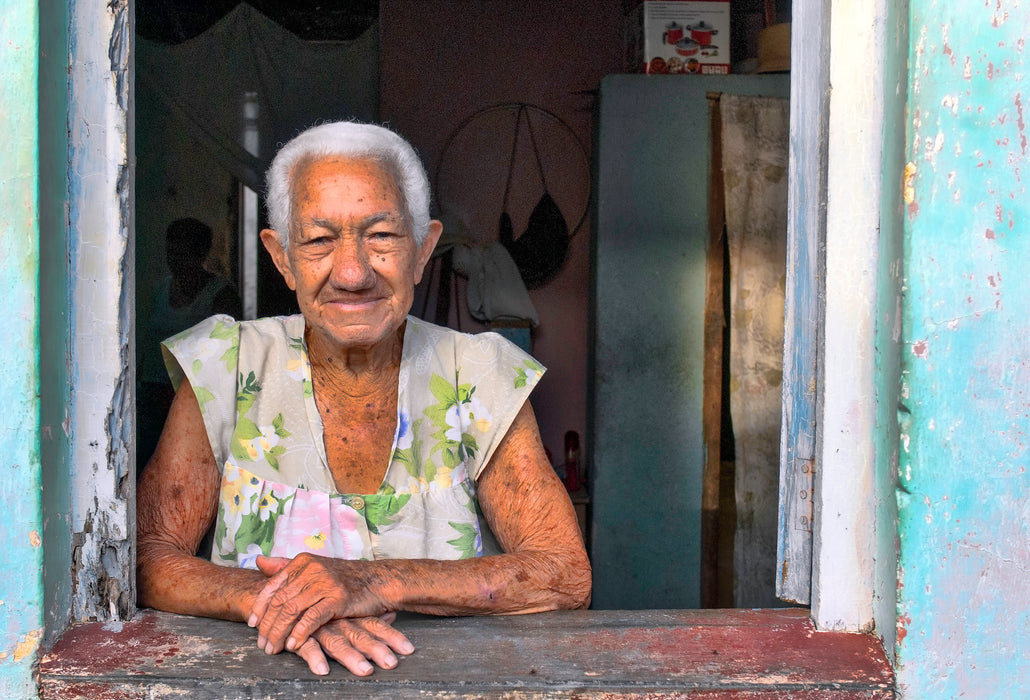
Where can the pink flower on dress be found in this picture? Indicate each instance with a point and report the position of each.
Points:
(318, 523)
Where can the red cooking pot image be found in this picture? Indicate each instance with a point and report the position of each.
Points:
(687, 47)
(702, 32)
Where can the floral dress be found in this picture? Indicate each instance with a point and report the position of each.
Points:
(457, 396)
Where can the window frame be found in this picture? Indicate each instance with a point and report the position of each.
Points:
(101, 224)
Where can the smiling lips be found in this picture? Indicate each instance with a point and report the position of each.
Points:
(356, 303)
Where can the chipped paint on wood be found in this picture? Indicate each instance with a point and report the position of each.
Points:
(806, 223)
(572, 654)
(850, 450)
(964, 496)
(100, 183)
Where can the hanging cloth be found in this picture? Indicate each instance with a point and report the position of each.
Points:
(540, 251)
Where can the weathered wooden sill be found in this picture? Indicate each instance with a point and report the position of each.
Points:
(580, 654)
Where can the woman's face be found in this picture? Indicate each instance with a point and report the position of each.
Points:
(351, 257)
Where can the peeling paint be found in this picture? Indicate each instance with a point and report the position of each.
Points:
(27, 646)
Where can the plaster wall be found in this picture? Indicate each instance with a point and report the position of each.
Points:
(21, 526)
(441, 62)
(964, 493)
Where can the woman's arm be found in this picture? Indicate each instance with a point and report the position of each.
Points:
(545, 566)
(176, 503)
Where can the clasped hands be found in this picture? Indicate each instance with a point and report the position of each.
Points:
(309, 609)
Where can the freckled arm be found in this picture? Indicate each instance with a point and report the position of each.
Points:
(176, 503)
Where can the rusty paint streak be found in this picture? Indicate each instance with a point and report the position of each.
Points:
(903, 622)
(1020, 123)
(920, 349)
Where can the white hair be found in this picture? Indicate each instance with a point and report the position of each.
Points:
(348, 140)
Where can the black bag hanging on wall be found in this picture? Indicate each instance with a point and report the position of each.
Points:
(542, 248)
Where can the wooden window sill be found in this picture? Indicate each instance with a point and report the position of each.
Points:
(581, 654)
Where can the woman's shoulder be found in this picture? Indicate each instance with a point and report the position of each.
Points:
(424, 340)
(280, 327)
(221, 329)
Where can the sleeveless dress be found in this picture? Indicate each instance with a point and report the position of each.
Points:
(457, 396)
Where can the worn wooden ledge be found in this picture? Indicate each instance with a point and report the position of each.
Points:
(578, 654)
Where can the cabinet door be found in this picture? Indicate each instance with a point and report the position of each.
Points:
(647, 449)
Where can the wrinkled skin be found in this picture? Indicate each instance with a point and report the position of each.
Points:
(354, 263)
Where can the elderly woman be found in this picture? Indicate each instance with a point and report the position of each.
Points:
(353, 460)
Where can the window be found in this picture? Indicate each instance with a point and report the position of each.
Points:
(100, 581)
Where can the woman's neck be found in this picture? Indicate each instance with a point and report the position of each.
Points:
(355, 371)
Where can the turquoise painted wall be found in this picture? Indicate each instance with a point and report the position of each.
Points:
(964, 496)
(21, 526)
(888, 315)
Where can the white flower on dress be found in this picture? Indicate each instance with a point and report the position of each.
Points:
(475, 413)
(454, 422)
(248, 560)
(200, 348)
(464, 416)
(267, 440)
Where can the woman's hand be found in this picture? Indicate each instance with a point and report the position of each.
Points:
(305, 593)
(353, 642)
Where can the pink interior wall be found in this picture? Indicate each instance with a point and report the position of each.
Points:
(441, 62)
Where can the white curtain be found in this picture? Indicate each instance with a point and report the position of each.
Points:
(191, 148)
(754, 149)
(202, 85)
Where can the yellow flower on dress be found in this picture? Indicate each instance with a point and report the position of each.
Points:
(315, 541)
(249, 447)
(232, 496)
(443, 477)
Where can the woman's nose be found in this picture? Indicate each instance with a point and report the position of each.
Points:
(352, 269)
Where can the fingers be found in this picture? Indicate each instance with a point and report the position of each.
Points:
(271, 567)
(355, 642)
(311, 652)
(382, 629)
(293, 603)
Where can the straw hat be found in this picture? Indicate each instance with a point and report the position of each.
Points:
(774, 48)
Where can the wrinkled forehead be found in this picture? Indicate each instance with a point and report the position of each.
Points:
(378, 171)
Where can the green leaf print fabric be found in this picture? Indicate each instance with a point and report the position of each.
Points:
(457, 396)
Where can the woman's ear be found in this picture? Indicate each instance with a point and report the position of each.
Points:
(425, 251)
(282, 261)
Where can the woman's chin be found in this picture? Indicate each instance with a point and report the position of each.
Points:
(356, 330)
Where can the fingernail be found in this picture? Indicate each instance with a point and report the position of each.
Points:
(364, 667)
(406, 647)
(261, 641)
(269, 649)
(321, 668)
(291, 643)
(252, 620)
(390, 660)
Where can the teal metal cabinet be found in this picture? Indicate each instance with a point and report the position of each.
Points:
(647, 327)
